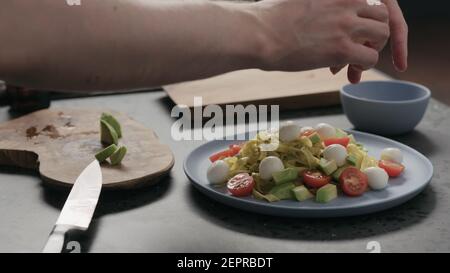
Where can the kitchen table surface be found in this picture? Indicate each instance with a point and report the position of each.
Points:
(175, 217)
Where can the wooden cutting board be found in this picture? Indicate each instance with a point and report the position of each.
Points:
(60, 143)
(290, 90)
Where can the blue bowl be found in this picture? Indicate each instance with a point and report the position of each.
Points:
(385, 107)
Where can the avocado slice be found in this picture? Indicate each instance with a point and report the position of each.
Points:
(315, 138)
(113, 122)
(355, 151)
(326, 193)
(301, 193)
(286, 175)
(328, 166)
(283, 191)
(117, 157)
(337, 174)
(352, 160)
(105, 153)
(108, 135)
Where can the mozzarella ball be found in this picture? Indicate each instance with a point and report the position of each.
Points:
(392, 154)
(270, 165)
(377, 178)
(306, 129)
(336, 152)
(218, 172)
(325, 130)
(289, 131)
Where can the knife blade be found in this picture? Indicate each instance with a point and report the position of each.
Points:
(78, 208)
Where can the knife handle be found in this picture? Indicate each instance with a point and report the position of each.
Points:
(56, 240)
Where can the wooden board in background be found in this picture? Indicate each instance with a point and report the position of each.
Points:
(60, 143)
(290, 90)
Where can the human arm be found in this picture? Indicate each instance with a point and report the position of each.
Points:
(119, 44)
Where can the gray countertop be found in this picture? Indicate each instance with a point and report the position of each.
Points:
(174, 217)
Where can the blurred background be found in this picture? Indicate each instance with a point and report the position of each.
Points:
(429, 47)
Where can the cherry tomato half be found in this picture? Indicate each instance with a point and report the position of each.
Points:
(241, 185)
(234, 149)
(315, 179)
(353, 182)
(344, 141)
(393, 169)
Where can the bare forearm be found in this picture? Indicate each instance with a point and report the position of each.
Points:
(119, 44)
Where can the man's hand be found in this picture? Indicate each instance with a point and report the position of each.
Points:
(308, 34)
(399, 43)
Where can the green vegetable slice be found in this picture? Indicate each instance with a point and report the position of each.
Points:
(326, 193)
(328, 166)
(352, 160)
(315, 138)
(286, 175)
(301, 193)
(108, 135)
(283, 191)
(337, 174)
(113, 122)
(117, 157)
(105, 153)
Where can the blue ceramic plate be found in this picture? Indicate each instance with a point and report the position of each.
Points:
(416, 177)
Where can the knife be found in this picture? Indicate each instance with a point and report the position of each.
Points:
(79, 207)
